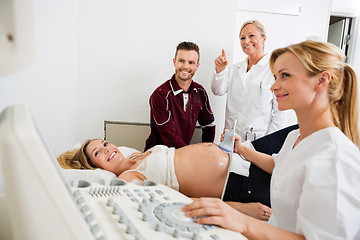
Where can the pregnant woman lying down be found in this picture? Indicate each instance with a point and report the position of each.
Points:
(197, 170)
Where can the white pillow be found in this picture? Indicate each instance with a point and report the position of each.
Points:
(98, 175)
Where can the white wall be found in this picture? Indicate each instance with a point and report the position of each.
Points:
(351, 8)
(48, 85)
(285, 22)
(126, 50)
(287, 27)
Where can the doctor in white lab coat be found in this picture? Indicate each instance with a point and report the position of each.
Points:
(247, 84)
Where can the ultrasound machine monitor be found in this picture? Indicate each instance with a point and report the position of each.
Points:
(41, 204)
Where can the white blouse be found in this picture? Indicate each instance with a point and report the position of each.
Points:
(315, 186)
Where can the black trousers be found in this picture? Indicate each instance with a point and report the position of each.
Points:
(256, 187)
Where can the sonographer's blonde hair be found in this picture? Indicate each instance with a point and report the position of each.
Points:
(318, 57)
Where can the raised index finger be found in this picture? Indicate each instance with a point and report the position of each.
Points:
(223, 53)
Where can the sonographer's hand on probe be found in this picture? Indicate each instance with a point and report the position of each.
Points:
(221, 62)
(238, 146)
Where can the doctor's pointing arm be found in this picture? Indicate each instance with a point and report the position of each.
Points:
(220, 81)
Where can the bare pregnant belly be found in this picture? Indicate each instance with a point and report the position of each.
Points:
(201, 169)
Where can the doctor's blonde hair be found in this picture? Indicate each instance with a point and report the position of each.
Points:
(259, 26)
(318, 57)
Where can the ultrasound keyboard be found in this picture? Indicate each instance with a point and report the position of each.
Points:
(124, 210)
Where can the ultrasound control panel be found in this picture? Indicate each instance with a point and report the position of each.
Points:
(125, 210)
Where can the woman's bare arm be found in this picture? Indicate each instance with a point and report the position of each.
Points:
(214, 211)
(253, 209)
(262, 160)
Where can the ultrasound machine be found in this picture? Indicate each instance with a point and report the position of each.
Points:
(41, 204)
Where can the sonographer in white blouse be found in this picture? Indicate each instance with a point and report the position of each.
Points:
(315, 179)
